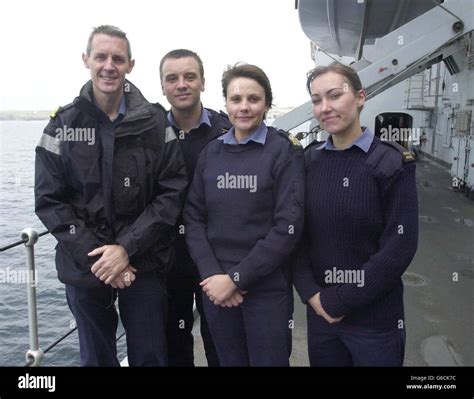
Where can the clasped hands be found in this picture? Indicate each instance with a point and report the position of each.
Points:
(315, 302)
(222, 291)
(113, 266)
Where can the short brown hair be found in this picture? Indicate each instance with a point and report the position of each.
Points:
(108, 30)
(181, 53)
(248, 71)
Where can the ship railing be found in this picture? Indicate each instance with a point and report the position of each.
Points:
(34, 355)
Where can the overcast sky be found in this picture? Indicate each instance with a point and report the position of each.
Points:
(42, 43)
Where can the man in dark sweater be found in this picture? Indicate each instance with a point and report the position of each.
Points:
(182, 81)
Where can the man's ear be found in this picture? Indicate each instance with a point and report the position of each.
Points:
(203, 84)
(85, 60)
(130, 66)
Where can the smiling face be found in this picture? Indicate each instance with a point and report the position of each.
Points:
(335, 104)
(108, 63)
(182, 83)
(246, 105)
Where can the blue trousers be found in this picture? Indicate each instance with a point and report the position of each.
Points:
(142, 309)
(256, 333)
(344, 345)
(181, 292)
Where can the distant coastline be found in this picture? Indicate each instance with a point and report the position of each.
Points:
(24, 115)
(18, 115)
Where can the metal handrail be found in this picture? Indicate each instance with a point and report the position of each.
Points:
(22, 241)
(30, 362)
(35, 354)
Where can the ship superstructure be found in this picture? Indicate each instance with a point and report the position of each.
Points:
(416, 62)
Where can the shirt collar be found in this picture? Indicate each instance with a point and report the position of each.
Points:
(205, 118)
(259, 136)
(122, 109)
(364, 141)
(121, 112)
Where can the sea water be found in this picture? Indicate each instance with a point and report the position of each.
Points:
(18, 140)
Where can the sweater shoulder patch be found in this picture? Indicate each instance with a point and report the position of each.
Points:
(406, 155)
(314, 144)
(291, 138)
(387, 158)
(220, 120)
(222, 114)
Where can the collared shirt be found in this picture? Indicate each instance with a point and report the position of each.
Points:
(364, 142)
(122, 111)
(259, 136)
(205, 114)
(107, 141)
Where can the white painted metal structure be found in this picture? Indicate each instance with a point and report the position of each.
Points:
(412, 41)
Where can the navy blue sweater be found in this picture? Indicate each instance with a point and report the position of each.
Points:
(244, 212)
(192, 144)
(361, 215)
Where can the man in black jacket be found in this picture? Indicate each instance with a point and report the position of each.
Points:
(182, 81)
(109, 186)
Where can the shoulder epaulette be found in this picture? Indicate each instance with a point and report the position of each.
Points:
(221, 121)
(294, 141)
(223, 114)
(52, 115)
(406, 155)
(216, 114)
(58, 110)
